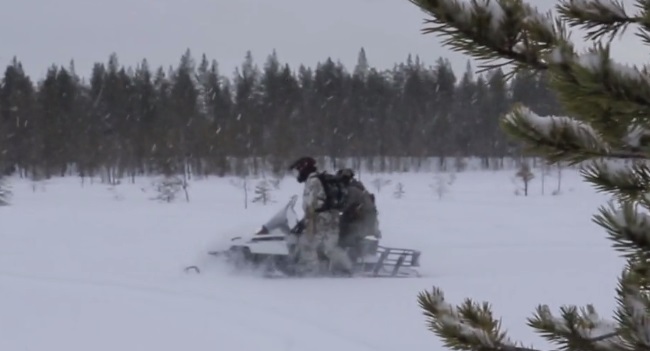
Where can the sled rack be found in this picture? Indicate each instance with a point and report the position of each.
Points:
(393, 259)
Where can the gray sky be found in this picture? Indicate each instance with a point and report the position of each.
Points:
(302, 31)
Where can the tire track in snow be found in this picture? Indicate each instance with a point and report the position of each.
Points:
(193, 295)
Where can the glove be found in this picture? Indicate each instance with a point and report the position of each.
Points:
(299, 228)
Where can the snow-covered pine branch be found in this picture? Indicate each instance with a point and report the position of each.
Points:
(568, 139)
(636, 137)
(548, 125)
(576, 328)
(609, 105)
(597, 17)
(611, 8)
(484, 29)
(471, 326)
(561, 138)
(633, 313)
(589, 83)
(477, 28)
(467, 327)
(627, 227)
(624, 180)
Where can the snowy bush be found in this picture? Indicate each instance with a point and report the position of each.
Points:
(525, 175)
(379, 183)
(399, 191)
(442, 183)
(5, 192)
(263, 192)
(168, 188)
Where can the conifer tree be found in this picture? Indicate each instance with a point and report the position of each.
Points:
(605, 130)
(5, 192)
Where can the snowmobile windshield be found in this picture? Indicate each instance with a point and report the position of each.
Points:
(284, 219)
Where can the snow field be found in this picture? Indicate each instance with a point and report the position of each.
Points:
(88, 268)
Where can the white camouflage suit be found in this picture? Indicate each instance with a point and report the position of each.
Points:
(321, 232)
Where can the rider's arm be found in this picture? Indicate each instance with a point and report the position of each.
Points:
(314, 195)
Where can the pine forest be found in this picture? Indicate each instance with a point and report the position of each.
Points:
(140, 120)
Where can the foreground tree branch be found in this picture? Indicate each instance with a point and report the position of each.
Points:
(471, 326)
(491, 31)
(607, 129)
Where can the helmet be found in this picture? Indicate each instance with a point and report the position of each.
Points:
(346, 175)
(304, 166)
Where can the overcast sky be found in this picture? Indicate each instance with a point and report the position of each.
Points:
(45, 32)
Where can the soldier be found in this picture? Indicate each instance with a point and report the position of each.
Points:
(321, 232)
(360, 215)
(347, 175)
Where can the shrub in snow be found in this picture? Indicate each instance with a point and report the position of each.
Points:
(168, 187)
(442, 183)
(525, 175)
(379, 183)
(263, 192)
(5, 192)
(399, 191)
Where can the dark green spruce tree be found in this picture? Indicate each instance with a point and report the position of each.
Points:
(17, 96)
(607, 107)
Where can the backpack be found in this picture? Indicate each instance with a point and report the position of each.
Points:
(335, 191)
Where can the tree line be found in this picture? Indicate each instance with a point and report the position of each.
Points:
(126, 121)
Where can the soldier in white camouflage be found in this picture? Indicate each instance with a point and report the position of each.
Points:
(321, 233)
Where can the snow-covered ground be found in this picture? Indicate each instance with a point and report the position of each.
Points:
(89, 268)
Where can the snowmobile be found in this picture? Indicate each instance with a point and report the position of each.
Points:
(271, 248)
